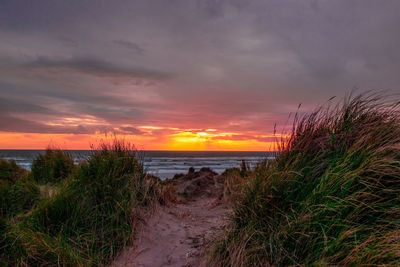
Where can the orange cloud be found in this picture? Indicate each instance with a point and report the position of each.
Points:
(151, 138)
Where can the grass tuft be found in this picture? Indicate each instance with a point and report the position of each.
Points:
(53, 166)
(331, 197)
(89, 219)
(10, 172)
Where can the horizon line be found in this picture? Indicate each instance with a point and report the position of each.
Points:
(158, 150)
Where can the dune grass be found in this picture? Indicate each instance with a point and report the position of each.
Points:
(18, 192)
(89, 219)
(10, 172)
(53, 166)
(331, 197)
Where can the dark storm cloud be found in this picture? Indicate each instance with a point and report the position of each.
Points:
(11, 105)
(112, 114)
(18, 98)
(131, 130)
(212, 8)
(229, 64)
(10, 123)
(135, 48)
(95, 67)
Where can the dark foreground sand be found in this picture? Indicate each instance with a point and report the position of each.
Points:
(177, 235)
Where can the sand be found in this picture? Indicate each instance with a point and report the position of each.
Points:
(177, 235)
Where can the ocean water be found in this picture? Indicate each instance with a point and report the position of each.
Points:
(164, 164)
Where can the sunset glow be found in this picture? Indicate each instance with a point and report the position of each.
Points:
(185, 139)
(187, 75)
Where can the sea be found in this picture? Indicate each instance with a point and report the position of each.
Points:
(164, 164)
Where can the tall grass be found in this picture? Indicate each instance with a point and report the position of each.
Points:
(52, 166)
(18, 197)
(90, 218)
(18, 194)
(10, 172)
(331, 197)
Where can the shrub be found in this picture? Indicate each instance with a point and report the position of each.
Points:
(331, 197)
(52, 166)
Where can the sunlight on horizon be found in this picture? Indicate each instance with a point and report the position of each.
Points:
(178, 140)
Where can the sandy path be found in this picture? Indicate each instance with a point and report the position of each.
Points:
(176, 236)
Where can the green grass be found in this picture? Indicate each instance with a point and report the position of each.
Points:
(331, 197)
(10, 172)
(53, 166)
(19, 197)
(90, 218)
(18, 192)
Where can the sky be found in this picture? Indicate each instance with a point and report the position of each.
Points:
(184, 74)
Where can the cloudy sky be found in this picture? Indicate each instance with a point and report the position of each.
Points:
(182, 74)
